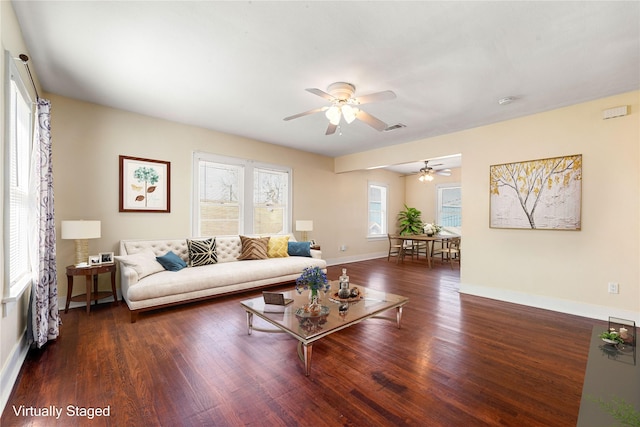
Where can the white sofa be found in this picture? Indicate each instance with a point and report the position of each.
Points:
(161, 288)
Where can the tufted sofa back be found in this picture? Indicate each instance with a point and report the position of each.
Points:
(228, 248)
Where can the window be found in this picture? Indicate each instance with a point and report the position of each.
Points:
(19, 116)
(449, 202)
(377, 215)
(237, 196)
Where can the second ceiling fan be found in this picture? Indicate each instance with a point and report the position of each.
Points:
(427, 172)
(345, 105)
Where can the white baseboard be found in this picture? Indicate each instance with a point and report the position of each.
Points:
(548, 303)
(356, 258)
(62, 300)
(11, 370)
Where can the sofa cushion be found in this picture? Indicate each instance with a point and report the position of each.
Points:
(254, 247)
(278, 247)
(144, 263)
(202, 252)
(172, 262)
(299, 249)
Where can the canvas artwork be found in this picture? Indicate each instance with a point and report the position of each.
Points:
(145, 185)
(537, 194)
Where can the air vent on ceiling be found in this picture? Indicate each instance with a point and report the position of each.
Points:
(394, 127)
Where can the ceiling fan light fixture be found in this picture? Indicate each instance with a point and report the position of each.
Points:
(349, 113)
(425, 177)
(333, 114)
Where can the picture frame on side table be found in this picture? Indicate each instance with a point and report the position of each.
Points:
(145, 185)
(544, 194)
(106, 257)
(94, 260)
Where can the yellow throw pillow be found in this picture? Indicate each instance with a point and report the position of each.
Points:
(278, 247)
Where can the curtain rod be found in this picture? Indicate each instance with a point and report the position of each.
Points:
(24, 58)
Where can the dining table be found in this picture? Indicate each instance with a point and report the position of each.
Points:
(430, 240)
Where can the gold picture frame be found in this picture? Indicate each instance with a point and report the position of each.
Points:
(145, 185)
(544, 194)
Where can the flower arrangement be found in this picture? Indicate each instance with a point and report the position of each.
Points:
(432, 228)
(314, 279)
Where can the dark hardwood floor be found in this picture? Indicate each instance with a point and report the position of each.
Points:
(458, 360)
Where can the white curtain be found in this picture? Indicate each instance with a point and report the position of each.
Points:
(44, 319)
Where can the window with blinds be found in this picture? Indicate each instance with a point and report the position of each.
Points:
(377, 215)
(238, 196)
(19, 125)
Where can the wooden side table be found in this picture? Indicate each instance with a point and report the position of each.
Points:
(91, 277)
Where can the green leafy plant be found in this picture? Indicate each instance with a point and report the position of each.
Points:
(409, 221)
(622, 411)
(612, 336)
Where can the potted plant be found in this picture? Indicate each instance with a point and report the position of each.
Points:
(409, 221)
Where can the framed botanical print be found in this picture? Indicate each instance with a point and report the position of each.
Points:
(537, 194)
(145, 185)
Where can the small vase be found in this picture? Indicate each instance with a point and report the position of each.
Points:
(314, 306)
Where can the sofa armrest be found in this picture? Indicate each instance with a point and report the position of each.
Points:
(316, 253)
(128, 276)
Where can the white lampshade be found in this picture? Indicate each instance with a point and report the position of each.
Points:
(304, 225)
(80, 231)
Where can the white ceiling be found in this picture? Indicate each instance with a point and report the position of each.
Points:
(241, 67)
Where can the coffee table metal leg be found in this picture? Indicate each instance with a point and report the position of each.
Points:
(399, 316)
(249, 322)
(304, 353)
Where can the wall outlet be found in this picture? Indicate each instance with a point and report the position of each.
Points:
(343, 248)
(613, 288)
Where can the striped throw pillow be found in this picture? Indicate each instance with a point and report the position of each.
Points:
(202, 252)
(253, 248)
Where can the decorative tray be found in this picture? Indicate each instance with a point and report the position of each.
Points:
(301, 314)
(336, 298)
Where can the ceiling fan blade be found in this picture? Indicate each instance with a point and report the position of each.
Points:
(315, 110)
(331, 129)
(444, 172)
(321, 93)
(376, 97)
(375, 123)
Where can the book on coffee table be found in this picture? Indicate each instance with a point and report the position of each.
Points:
(275, 302)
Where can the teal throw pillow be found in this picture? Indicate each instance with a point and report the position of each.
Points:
(299, 249)
(172, 262)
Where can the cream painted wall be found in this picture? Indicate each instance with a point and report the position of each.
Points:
(88, 139)
(561, 270)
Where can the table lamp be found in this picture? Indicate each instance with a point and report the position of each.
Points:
(304, 225)
(81, 231)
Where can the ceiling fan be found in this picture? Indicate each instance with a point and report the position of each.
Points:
(345, 105)
(427, 172)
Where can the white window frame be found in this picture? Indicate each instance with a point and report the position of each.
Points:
(247, 199)
(384, 213)
(439, 189)
(15, 92)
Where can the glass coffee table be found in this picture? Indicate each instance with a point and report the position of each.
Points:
(336, 314)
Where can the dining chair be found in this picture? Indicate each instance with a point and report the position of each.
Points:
(395, 247)
(450, 248)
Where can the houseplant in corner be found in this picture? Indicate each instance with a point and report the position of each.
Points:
(409, 221)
